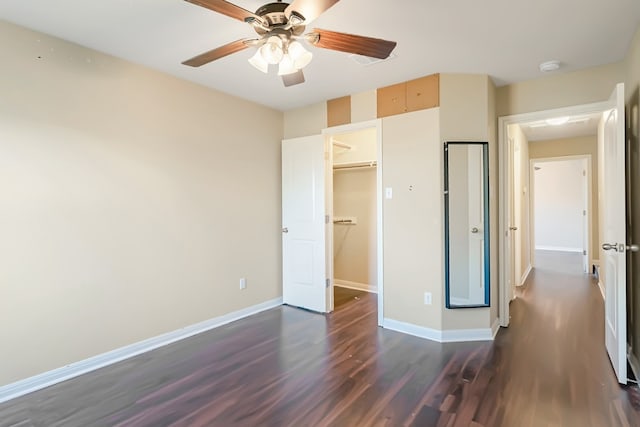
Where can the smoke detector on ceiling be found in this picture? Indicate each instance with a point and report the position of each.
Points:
(549, 66)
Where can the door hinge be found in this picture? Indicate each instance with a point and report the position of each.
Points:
(584, 173)
(327, 282)
(584, 252)
(326, 219)
(584, 213)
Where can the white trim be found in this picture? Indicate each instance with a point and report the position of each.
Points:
(352, 127)
(525, 275)
(601, 289)
(355, 285)
(451, 335)
(49, 378)
(596, 262)
(558, 249)
(504, 245)
(495, 327)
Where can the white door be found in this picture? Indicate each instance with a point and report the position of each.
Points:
(476, 224)
(303, 223)
(614, 232)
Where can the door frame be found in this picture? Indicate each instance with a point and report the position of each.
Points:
(328, 133)
(588, 200)
(505, 190)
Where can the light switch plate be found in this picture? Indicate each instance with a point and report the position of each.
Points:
(388, 193)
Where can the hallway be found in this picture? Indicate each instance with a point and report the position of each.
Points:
(559, 370)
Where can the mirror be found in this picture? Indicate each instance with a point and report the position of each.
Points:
(466, 196)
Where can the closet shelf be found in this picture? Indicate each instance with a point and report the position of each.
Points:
(345, 220)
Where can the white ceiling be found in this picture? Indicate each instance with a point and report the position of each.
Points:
(506, 39)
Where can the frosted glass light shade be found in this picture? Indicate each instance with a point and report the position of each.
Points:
(258, 61)
(299, 55)
(286, 66)
(272, 51)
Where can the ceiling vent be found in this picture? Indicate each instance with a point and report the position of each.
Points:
(367, 60)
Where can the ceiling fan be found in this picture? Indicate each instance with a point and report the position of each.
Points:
(279, 26)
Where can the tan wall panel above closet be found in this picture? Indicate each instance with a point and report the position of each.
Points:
(339, 111)
(392, 100)
(423, 93)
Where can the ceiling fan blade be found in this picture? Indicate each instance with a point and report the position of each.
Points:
(309, 9)
(350, 43)
(293, 78)
(226, 8)
(218, 53)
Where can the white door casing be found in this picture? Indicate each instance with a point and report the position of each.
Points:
(303, 223)
(613, 258)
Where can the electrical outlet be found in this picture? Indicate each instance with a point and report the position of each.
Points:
(427, 298)
(243, 283)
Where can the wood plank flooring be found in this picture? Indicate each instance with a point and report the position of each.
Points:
(289, 367)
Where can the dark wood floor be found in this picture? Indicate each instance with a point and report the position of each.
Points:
(289, 367)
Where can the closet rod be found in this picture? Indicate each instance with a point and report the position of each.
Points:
(358, 165)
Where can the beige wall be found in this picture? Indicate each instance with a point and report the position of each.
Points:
(575, 147)
(412, 228)
(464, 116)
(632, 63)
(128, 203)
(560, 90)
(305, 121)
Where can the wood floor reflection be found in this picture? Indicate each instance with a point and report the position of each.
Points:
(289, 367)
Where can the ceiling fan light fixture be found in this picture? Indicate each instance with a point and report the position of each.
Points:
(272, 51)
(258, 62)
(286, 66)
(300, 56)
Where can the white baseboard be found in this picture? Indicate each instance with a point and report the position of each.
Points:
(495, 327)
(451, 335)
(355, 285)
(558, 248)
(601, 289)
(525, 275)
(49, 378)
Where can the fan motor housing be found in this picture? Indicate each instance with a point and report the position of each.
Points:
(273, 13)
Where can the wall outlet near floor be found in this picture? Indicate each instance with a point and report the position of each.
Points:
(427, 298)
(243, 283)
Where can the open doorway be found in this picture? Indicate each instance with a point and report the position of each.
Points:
(561, 207)
(354, 213)
(611, 197)
(354, 232)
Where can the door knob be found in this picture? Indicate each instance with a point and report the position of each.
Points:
(633, 248)
(474, 230)
(513, 228)
(285, 230)
(613, 247)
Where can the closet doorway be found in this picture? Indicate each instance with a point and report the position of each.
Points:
(354, 211)
(354, 234)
